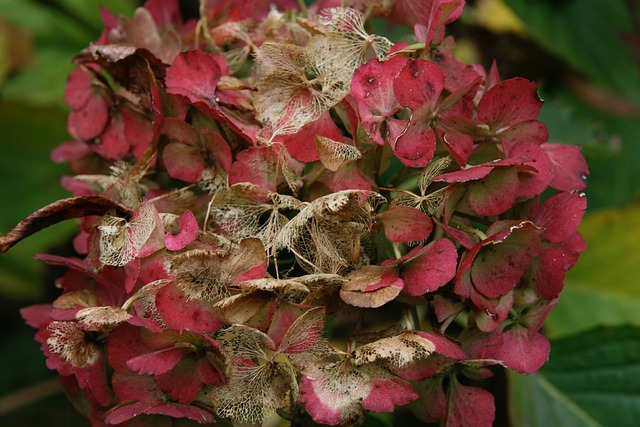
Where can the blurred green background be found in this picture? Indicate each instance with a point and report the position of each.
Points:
(585, 57)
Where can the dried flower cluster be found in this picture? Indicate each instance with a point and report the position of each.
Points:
(283, 212)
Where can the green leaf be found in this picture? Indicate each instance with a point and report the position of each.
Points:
(41, 84)
(610, 145)
(61, 29)
(588, 34)
(568, 124)
(603, 287)
(591, 380)
(28, 181)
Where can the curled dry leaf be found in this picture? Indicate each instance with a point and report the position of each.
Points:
(74, 207)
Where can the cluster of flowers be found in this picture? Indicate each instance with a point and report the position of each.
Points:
(281, 211)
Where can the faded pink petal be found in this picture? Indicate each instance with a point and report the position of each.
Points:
(78, 88)
(444, 345)
(71, 150)
(532, 131)
(37, 316)
(257, 165)
(216, 145)
(388, 393)
(419, 85)
(458, 144)
(348, 177)
(416, 144)
(183, 382)
(164, 12)
(570, 170)
(301, 145)
(405, 224)
(128, 385)
(126, 342)
(322, 406)
(285, 314)
(431, 406)
(372, 84)
(429, 13)
(469, 406)
(157, 362)
(91, 120)
(194, 74)
(512, 101)
(187, 232)
(120, 414)
(549, 270)
(498, 267)
(560, 215)
(184, 162)
(372, 88)
(137, 131)
(495, 193)
(218, 11)
(516, 348)
(182, 314)
(535, 182)
(490, 313)
(429, 267)
(113, 144)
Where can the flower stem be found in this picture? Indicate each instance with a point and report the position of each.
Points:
(28, 395)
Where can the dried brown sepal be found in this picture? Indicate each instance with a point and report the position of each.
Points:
(135, 69)
(397, 351)
(241, 308)
(371, 286)
(72, 344)
(258, 384)
(345, 27)
(127, 186)
(296, 84)
(323, 289)
(73, 207)
(141, 31)
(198, 274)
(100, 319)
(121, 240)
(430, 202)
(245, 343)
(145, 302)
(334, 154)
(76, 299)
(206, 274)
(240, 210)
(253, 393)
(325, 236)
(290, 289)
(304, 333)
